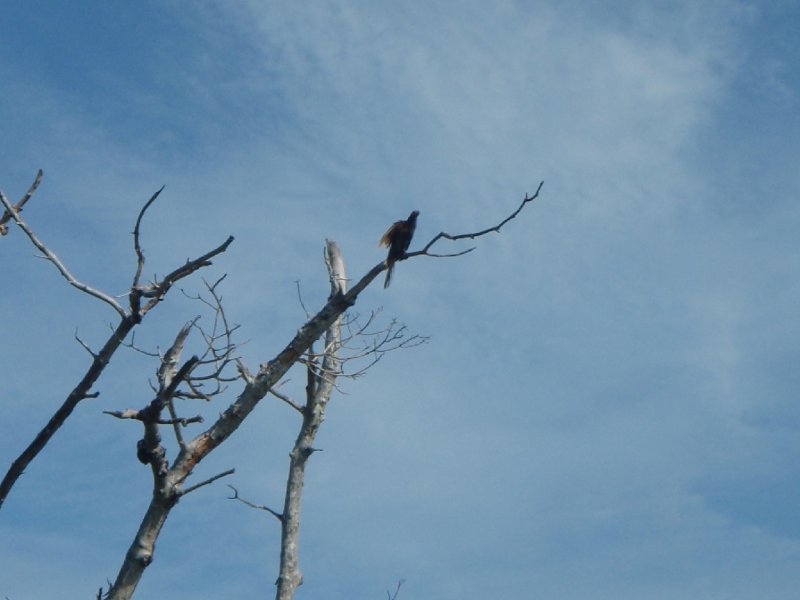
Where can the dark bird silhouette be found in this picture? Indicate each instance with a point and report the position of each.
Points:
(398, 238)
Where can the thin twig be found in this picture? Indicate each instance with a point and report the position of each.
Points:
(287, 400)
(49, 255)
(156, 291)
(138, 415)
(461, 236)
(136, 245)
(300, 299)
(235, 496)
(396, 591)
(132, 345)
(6, 217)
(85, 345)
(190, 489)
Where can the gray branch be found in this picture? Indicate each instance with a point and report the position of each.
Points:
(290, 577)
(49, 255)
(322, 369)
(208, 481)
(7, 216)
(473, 235)
(128, 320)
(263, 507)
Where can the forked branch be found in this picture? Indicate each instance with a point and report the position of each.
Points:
(128, 320)
(49, 255)
(472, 235)
(322, 371)
(263, 507)
(7, 216)
(155, 291)
(270, 373)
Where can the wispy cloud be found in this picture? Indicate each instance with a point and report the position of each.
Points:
(606, 381)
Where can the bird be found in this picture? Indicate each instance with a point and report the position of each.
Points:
(398, 238)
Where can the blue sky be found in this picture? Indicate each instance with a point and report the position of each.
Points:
(607, 407)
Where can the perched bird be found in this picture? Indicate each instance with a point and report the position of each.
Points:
(397, 238)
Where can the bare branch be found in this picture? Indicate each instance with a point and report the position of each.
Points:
(269, 374)
(31, 190)
(80, 392)
(235, 496)
(6, 217)
(155, 292)
(244, 372)
(167, 369)
(128, 413)
(181, 375)
(318, 393)
(85, 345)
(432, 255)
(352, 319)
(219, 351)
(139, 415)
(461, 236)
(190, 489)
(49, 255)
(300, 299)
(132, 345)
(322, 370)
(287, 400)
(321, 383)
(374, 344)
(390, 596)
(166, 373)
(136, 245)
(221, 357)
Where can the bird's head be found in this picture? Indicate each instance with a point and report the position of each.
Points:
(413, 216)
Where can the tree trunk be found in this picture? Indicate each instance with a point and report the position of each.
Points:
(321, 382)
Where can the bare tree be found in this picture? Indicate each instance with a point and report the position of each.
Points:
(345, 339)
(142, 299)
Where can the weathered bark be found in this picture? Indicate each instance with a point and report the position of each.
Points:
(155, 295)
(140, 554)
(268, 375)
(168, 481)
(152, 294)
(7, 216)
(81, 392)
(167, 488)
(271, 373)
(321, 382)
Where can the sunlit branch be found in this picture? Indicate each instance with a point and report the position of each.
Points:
(50, 256)
(473, 235)
(6, 217)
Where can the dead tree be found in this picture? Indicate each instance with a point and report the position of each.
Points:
(142, 298)
(188, 379)
(322, 371)
(320, 383)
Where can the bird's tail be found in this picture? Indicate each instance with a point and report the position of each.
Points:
(388, 275)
